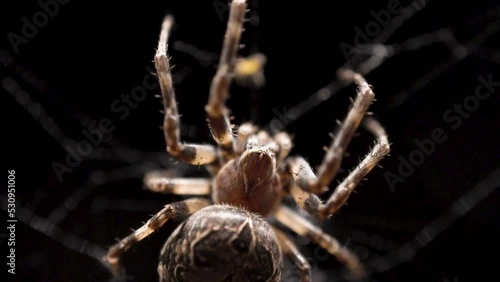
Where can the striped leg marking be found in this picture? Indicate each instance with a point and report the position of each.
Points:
(168, 212)
(303, 227)
(189, 153)
(290, 250)
(217, 113)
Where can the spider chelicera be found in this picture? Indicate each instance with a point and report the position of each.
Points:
(226, 238)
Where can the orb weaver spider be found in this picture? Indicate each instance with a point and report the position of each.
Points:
(226, 237)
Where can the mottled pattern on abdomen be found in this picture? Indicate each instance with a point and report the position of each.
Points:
(221, 243)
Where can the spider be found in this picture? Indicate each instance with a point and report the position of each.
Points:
(226, 238)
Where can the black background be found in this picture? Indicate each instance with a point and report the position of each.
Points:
(89, 53)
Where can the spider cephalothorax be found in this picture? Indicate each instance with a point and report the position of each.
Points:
(250, 180)
(251, 173)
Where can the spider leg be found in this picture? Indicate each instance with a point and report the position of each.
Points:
(189, 153)
(344, 189)
(244, 131)
(177, 186)
(217, 113)
(302, 173)
(285, 143)
(170, 211)
(305, 228)
(333, 157)
(290, 250)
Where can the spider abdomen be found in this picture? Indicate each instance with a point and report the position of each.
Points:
(221, 243)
